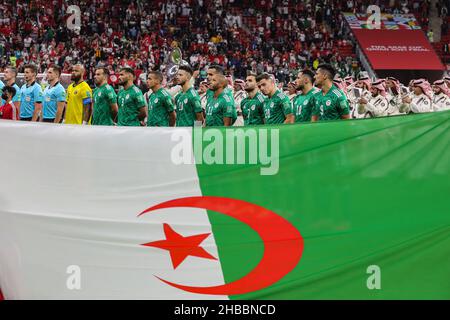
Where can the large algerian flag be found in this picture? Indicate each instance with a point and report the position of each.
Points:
(357, 209)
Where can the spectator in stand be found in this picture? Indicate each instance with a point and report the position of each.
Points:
(142, 40)
(241, 35)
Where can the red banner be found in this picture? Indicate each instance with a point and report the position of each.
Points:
(398, 49)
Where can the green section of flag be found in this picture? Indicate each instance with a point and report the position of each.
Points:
(362, 193)
(243, 245)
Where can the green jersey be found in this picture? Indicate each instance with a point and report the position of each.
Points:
(304, 105)
(253, 109)
(130, 101)
(277, 107)
(187, 105)
(104, 97)
(218, 108)
(227, 91)
(159, 106)
(332, 105)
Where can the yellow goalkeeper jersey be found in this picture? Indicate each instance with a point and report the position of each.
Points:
(77, 96)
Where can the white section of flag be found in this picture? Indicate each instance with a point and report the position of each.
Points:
(71, 196)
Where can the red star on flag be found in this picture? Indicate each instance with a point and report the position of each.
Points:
(181, 247)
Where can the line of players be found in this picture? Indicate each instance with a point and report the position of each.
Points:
(255, 101)
(218, 102)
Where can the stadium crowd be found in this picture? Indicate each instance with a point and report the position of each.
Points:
(273, 36)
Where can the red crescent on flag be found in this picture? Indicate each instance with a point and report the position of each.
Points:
(283, 243)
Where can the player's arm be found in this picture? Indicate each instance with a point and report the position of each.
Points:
(172, 119)
(241, 107)
(112, 99)
(315, 112)
(142, 107)
(343, 107)
(16, 103)
(87, 106)
(142, 113)
(198, 109)
(171, 110)
(115, 111)
(37, 92)
(87, 110)
(260, 107)
(288, 111)
(227, 121)
(289, 118)
(199, 116)
(230, 110)
(61, 104)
